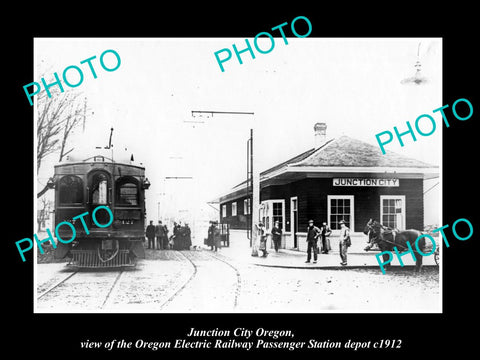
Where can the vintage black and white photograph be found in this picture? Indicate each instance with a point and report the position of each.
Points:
(201, 175)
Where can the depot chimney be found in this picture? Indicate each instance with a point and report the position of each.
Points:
(320, 134)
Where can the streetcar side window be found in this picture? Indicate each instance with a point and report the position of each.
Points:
(70, 190)
(127, 192)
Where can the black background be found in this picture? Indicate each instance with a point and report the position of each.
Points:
(59, 335)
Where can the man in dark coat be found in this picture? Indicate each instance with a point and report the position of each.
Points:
(150, 234)
(187, 237)
(165, 237)
(276, 235)
(217, 236)
(210, 239)
(313, 233)
(159, 232)
(325, 231)
(177, 237)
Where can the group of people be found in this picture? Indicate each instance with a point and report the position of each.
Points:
(182, 237)
(157, 236)
(159, 233)
(314, 233)
(276, 233)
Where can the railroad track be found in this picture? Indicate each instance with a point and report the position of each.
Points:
(191, 259)
(177, 292)
(239, 279)
(65, 282)
(56, 285)
(116, 281)
(203, 286)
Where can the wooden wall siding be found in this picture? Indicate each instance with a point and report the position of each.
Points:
(239, 221)
(312, 195)
(312, 202)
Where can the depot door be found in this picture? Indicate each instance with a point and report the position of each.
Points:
(272, 211)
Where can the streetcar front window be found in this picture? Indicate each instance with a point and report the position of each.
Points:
(70, 190)
(127, 192)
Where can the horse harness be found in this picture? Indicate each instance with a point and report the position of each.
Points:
(386, 230)
(394, 234)
(390, 231)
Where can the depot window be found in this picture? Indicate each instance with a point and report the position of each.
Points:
(277, 213)
(392, 211)
(246, 206)
(70, 190)
(340, 207)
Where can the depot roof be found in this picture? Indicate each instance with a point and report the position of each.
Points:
(340, 156)
(346, 151)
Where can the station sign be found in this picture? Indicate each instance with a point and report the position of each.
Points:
(366, 182)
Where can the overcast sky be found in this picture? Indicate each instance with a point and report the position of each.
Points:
(351, 84)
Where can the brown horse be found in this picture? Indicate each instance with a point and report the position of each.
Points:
(387, 238)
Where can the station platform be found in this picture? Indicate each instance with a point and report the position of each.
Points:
(295, 259)
(357, 257)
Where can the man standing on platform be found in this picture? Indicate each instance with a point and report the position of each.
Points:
(344, 242)
(150, 234)
(325, 232)
(276, 235)
(313, 233)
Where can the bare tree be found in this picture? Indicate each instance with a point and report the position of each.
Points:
(76, 116)
(58, 116)
(44, 212)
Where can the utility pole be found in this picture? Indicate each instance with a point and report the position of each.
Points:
(253, 184)
(253, 178)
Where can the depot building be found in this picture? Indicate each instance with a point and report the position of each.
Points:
(338, 179)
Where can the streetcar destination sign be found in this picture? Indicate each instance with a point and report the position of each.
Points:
(366, 182)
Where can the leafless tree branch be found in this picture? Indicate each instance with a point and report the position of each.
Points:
(58, 116)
